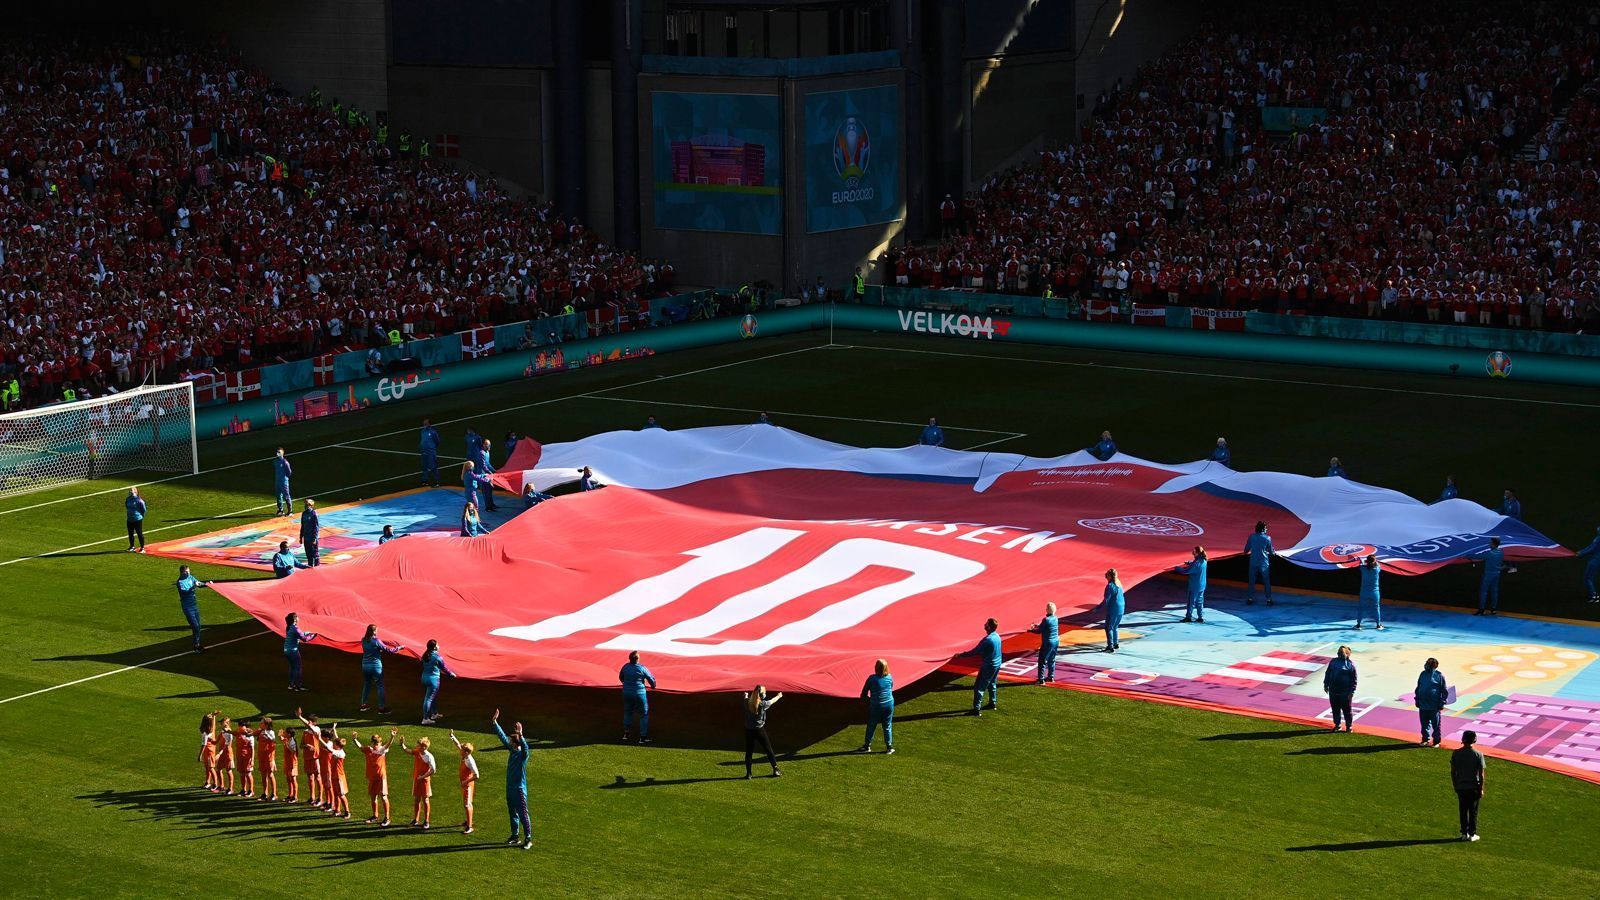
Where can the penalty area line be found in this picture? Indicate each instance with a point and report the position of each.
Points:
(142, 665)
(800, 415)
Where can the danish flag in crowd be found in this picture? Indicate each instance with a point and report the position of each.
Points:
(244, 384)
(209, 387)
(322, 369)
(477, 343)
(1217, 319)
(447, 145)
(734, 555)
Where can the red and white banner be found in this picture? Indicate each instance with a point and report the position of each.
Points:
(1097, 310)
(477, 343)
(209, 386)
(244, 384)
(1150, 315)
(741, 554)
(1217, 319)
(322, 369)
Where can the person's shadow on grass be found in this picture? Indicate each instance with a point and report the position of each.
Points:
(622, 781)
(1335, 750)
(347, 857)
(1371, 845)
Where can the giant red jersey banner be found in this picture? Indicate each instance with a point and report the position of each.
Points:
(742, 554)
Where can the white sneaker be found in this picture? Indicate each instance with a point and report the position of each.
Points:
(1473, 838)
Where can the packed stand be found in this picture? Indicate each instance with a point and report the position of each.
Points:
(1407, 202)
(164, 208)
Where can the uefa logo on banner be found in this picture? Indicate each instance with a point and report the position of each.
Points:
(747, 326)
(1145, 526)
(1346, 556)
(852, 152)
(1498, 364)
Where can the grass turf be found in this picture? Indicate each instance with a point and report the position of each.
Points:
(1058, 791)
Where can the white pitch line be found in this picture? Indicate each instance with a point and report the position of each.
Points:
(798, 415)
(349, 487)
(411, 453)
(373, 437)
(1323, 384)
(142, 665)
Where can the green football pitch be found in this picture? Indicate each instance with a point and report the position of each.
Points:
(1057, 793)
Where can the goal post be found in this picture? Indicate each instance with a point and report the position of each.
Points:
(150, 428)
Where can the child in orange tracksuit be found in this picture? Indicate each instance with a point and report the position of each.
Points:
(291, 764)
(267, 756)
(377, 753)
(224, 760)
(244, 759)
(337, 781)
(469, 779)
(330, 794)
(308, 759)
(208, 751)
(422, 769)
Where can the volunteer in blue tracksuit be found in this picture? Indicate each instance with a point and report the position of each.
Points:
(511, 443)
(1196, 570)
(1339, 681)
(1259, 546)
(474, 484)
(1494, 563)
(532, 496)
(1336, 469)
(1049, 632)
(516, 781)
(1451, 491)
(137, 509)
(188, 587)
(650, 422)
(471, 525)
(586, 479)
(635, 700)
(387, 536)
(878, 691)
(310, 532)
(433, 667)
(763, 419)
(1370, 603)
(281, 470)
(372, 650)
(932, 435)
(485, 486)
(1115, 603)
(284, 561)
(293, 637)
(1592, 554)
(988, 680)
(428, 447)
(473, 442)
(1222, 454)
(1510, 506)
(1105, 448)
(1432, 694)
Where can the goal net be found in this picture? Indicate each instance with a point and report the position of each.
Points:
(145, 428)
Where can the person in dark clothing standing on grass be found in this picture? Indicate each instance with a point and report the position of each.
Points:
(1467, 775)
(137, 509)
(756, 704)
(1340, 683)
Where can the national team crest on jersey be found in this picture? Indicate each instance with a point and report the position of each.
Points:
(753, 552)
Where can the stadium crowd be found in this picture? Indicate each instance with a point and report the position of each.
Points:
(1409, 201)
(166, 208)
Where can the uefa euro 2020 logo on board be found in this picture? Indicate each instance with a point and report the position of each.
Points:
(1498, 365)
(747, 326)
(852, 156)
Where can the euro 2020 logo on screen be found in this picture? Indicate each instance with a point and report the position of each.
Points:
(1498, 365)
(747, 326)
(852, 155)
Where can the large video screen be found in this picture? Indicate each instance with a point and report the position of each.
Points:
(853, 158)
(718, 162)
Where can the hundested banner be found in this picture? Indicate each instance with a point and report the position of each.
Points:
(738, 554)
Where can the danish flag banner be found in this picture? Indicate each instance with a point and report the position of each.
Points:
(738, 554)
